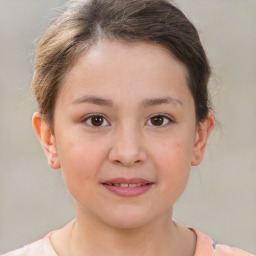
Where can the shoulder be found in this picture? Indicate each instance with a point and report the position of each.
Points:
(41, 247)
(225, 250)
(205, 246)
(35, 248)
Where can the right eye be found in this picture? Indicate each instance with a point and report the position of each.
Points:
(96, 121)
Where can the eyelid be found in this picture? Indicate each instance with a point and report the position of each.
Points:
(87, 117)
(166, 116)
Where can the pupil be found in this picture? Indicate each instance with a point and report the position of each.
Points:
(157, 120)
(97, 120)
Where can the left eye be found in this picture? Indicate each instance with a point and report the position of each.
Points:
(159, 120)
(96, 121)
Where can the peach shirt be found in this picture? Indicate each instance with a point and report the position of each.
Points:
(204, 247)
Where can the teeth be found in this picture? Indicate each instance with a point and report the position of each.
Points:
(130, 185)
(125, 185)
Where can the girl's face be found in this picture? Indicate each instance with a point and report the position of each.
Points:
(125, 115)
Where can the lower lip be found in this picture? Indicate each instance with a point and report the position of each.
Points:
(128, 191)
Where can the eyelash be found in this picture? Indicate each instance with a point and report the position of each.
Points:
(166, 120)
(88, 120)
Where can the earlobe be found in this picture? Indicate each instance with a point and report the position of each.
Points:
(202, 134)
(47, 140)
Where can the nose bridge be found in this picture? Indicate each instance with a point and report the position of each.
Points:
(127, 148)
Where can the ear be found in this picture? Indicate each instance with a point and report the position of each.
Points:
(47, 139)
(202, 134)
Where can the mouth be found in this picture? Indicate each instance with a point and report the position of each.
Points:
(128, 187)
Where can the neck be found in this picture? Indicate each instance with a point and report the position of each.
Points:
(91, 236)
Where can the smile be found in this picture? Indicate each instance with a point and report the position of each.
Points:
(128, 187)
(125, 185)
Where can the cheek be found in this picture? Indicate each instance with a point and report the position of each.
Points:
(81, 162)
(172, 158)
(174, 151)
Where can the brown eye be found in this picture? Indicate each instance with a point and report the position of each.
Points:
(159, 120)
(96, 121)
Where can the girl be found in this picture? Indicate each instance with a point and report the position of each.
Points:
(123, 110)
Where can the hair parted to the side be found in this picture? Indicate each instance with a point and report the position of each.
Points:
(85, 22)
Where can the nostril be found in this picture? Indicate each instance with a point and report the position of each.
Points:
(125, 157)
(127, 162)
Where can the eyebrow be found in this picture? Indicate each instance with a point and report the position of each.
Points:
(159, 101)
(145, 103)
(93, 100)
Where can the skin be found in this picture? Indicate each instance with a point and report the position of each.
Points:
(128, 78)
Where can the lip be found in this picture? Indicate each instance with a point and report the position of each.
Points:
(144, 186)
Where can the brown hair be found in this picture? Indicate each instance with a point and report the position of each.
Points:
(85, 22)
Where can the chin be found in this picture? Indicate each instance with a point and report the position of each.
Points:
(126, 224)
(127, 219)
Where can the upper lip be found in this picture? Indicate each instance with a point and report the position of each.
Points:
(121, 180)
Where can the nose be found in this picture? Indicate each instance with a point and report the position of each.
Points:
(127, 149)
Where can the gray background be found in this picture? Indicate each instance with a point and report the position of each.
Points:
(221, 194)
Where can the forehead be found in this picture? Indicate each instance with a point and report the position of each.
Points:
(133, 69)
(128, 53)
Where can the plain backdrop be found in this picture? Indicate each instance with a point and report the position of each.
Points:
(220, 198)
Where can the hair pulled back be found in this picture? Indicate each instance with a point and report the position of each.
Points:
(87, 21)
